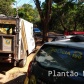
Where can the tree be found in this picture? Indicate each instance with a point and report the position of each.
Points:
(80, 16)
(5, 7)
(27, 12)
(45, 16)
(66, 15)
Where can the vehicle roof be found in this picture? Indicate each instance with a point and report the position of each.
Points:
(36, 28)
(66, 44)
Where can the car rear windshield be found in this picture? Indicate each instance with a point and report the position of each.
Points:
(64, 58)
(37, 30)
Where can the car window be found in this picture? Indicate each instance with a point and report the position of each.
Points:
(64, 58)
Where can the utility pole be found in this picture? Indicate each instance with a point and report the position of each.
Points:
(16, 10)
(15, 3)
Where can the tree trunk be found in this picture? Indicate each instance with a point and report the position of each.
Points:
(45, 17)
(45, 31)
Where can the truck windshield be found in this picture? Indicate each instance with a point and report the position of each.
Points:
(6, 29)
(61, 57)
(7, 26)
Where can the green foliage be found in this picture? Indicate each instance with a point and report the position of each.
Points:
(67, 15)
(27, 12)
(59, 1)
(5, 7)
(80, 16)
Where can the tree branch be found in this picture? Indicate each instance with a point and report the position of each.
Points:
(37, 3)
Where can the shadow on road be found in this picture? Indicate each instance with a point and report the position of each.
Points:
(4, 67)
(18, 80)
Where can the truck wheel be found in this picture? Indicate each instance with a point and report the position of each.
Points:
(22, 62)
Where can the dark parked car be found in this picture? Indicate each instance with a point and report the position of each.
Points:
(77, 38)
(57, 63)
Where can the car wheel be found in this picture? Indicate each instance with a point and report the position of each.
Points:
(32, 80)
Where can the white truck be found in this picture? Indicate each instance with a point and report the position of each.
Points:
(16, 40)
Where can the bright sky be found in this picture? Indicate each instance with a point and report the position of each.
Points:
(21, 2)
